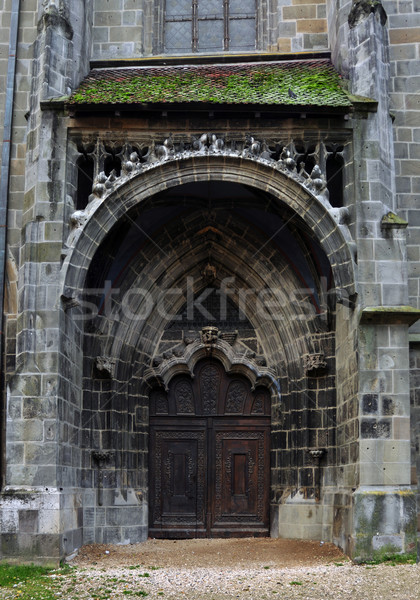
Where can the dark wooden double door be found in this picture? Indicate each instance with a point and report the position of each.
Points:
(209, 456)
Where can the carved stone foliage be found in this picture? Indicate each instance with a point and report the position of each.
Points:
(314, 362)
(101, 458)
(137, 157)
(104, 367)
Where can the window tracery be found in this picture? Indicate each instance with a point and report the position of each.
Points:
(208, 26)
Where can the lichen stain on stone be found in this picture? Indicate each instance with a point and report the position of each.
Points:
(11, 293)
(22, 495)
(392, 219)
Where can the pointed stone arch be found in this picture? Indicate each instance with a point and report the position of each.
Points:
(101, 216)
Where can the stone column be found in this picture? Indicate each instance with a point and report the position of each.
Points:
(384, 511)
(40, 505)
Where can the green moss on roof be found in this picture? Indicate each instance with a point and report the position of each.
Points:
(292, 83)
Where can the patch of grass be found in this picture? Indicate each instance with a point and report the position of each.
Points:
(31, 582)
(296, 583)
(11, 574)
(394, 559)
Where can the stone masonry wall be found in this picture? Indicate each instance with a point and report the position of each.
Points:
(26, 38)
(5, 7)
(404, 37)
(383, 344)
(301, 26)
(129, 29)
(415, 421)
(41, 443)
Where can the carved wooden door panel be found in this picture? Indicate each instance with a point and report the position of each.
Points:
(178, 480)
(209, 456)
(241, 463)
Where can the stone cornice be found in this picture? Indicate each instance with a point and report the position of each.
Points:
(389, 315)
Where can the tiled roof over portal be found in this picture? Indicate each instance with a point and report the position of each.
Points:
(310, 83)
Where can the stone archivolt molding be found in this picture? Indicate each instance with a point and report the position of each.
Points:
(139, 159)
(232, 362)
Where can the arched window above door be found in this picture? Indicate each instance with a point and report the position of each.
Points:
(209, 26)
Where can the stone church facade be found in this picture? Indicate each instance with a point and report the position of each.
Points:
(210, 250)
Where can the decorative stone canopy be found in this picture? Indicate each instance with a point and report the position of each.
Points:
(207, 144)
(180, 153)
(217, 348)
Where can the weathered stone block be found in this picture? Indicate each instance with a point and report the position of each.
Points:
(375, 428)
(28, 521)
(315, 41)
(381, 515)
(401, 428)
(370, 404)
(107, 18)
(302, 11)
(284, 45)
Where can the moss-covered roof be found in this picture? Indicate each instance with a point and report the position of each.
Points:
(306, 83)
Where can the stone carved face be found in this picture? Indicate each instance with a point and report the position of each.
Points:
(209, 335)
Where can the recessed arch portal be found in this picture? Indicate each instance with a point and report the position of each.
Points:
(216, 241)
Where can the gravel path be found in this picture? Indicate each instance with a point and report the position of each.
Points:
(335, 582)
(227, 569)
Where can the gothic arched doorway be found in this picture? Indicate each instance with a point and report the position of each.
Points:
(209, 456)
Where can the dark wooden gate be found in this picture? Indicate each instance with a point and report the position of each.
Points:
(209, 456)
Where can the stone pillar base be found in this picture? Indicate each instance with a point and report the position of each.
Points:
(384, 522)
(32, 525)
(302, 519)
